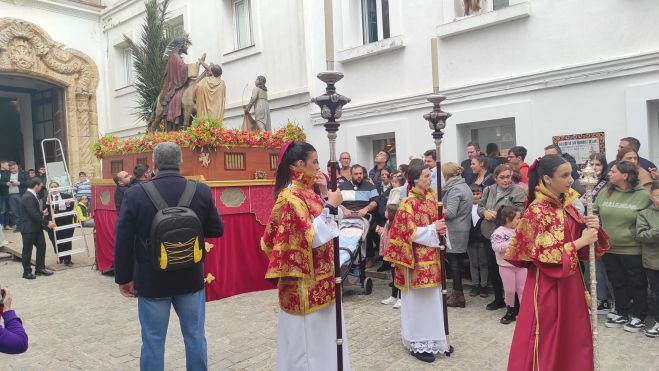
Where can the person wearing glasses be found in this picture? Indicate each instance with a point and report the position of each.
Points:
(344, 161)
(516, 156)
(502, 192)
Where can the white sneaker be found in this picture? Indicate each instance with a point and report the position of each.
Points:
(652, 332)
(389, 301)
(612, 313)
(635, 325)
(398, 304)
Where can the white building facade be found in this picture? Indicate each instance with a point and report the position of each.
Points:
(516, 72)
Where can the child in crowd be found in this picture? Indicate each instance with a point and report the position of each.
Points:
(476, 248)
(397, 188)
(513, 277)
(647, 231)
(389, 213)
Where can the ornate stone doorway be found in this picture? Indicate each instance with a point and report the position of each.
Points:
(26, 50)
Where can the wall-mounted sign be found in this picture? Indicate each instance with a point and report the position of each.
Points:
(581, 146)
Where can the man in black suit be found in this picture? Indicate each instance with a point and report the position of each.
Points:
(157, 290)
(31, 228)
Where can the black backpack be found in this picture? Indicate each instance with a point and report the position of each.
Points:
(176, 238)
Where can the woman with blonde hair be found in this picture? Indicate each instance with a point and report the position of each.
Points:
(457, 200)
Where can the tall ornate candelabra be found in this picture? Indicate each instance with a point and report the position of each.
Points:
(589, 180)
(437, 120)
(331, 107)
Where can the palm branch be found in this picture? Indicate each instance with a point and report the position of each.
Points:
(150, 57)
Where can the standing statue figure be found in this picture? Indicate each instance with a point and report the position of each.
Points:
(177, 79)
(259, 101)
(210, 94)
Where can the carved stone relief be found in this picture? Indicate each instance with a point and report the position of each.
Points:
(27, 50)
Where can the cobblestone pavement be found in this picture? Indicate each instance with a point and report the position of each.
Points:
(76, 319)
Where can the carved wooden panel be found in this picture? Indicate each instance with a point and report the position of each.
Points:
(273, 161)
(116, 166)
(234, 161)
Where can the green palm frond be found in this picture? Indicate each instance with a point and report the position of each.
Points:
(150, 57)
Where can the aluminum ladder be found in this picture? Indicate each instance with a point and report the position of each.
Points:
(57, 171)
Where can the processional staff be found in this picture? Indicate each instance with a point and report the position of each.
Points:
(589, 180)
(331, 107)
(437, 120)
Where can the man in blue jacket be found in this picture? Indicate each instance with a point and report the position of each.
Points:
(158, 290)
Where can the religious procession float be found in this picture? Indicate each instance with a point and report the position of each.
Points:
(237, 164)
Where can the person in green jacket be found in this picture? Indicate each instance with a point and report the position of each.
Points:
(647, 230)
(617, 208)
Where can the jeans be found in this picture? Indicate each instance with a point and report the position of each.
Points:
(478, 263)
(455, 263)
(653, 279)
(154, 319)
(3, 209)
(14, 209)
(603, 289)
(629, 283)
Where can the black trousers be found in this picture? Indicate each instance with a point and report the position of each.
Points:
(653, 279)
(67, 233)
(37, 240)
(395, 292)
(627, 276)
(455, 265)
(493, 272)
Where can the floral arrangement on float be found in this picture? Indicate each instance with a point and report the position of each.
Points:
(203, 134)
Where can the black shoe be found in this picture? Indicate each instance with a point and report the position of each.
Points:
(475, 290)
(508, 317)
(43, 272)
(384, 267)
(425, 357)
(496, 304)
(484, 292)
(29, 276)
(68, 263)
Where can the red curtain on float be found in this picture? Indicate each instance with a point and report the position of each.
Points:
(236, 261)
(105, 221)
(234, 265)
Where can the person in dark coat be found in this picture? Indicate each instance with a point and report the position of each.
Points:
(157, 290)
(31, 228)
(122, 180)
(53, 204)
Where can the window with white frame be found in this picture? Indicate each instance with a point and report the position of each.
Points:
(476, 7)
(375, 20)
(175, 27)
(127, 66)
(242, 24)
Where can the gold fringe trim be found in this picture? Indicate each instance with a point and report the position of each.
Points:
(536, 341)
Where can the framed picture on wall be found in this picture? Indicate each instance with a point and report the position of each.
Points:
(581, 146)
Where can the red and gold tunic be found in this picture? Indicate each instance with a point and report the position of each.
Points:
(553, 328)
(305, 274)
(419, 209)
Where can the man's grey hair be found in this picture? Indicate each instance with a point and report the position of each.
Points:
(167, 156)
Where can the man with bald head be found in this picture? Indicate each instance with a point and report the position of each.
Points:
(122, 180)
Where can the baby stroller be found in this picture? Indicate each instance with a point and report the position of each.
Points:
(352, 252)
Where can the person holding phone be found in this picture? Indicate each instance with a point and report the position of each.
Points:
(13, 339)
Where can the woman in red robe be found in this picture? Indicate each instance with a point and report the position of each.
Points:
(553, 328)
